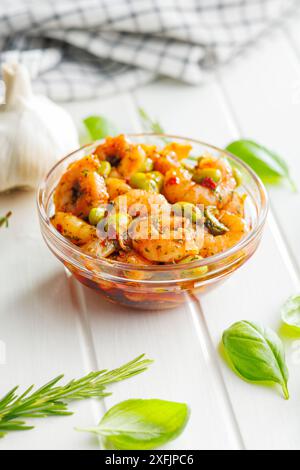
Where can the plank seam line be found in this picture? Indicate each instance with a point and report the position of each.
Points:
(208, 346)
(86, 339)
(88, 343)
(279, 236)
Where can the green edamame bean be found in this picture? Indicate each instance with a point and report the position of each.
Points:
(147, 165)
(151, 185)
(96, 214)
(117, 222)
(137, 180)
(193, 272)
(104, 168)
(158, 177)
(187, 209)
(213, 173)
(141, 181)
(237, 176)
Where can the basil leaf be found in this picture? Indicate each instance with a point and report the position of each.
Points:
(269, 166)
(290, 312)
(256, 353)
(99, 127)
(138, 424)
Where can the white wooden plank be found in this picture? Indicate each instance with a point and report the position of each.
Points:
(39, 325)
(182, 370)
(255, 293)
(271, 118)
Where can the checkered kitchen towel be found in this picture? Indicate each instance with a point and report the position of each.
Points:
(80, 49)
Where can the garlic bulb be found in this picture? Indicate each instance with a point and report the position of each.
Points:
(34, 132)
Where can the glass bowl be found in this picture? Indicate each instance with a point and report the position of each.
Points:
(159, 286)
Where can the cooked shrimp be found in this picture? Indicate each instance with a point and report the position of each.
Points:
(127, 157)
(166, 162)
(236, 205)
(237, 226)
(163, 239)
(151, 151)
(224, 189)
(99, 248)
(116, 187)
(73, 228)
(132, 161)
(80, 188)
(181, 151)
(114, 173)
(113, 148)
(140, 202)
(132, 257)
(178, 185)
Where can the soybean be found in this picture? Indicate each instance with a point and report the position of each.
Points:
(212, 173)
(104, 168)
(96, 215)
(141, 181)
(147, 165)
(193, 272)
(189, 210)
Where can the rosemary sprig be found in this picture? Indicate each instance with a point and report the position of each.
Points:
(4, 219)
(52, 399)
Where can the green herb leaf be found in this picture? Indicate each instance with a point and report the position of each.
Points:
(4, 219)
(290, 312)
(52, 399)
(149, 124)
(141, 424)
(256, 353)
(99, 127)
(269, 166)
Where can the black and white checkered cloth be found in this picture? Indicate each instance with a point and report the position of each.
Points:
(80, 49)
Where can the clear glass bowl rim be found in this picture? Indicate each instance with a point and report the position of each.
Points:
(211, 260)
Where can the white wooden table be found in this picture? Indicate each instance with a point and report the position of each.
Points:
(51, 324)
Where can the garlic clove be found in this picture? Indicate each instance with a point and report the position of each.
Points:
(34, 132)
(17, 85)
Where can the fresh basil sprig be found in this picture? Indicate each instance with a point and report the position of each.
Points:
(290, 312)
(99, 127)
(268, 165)
(138, 424)
(256, 353)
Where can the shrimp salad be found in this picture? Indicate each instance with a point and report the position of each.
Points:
(147, 205)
